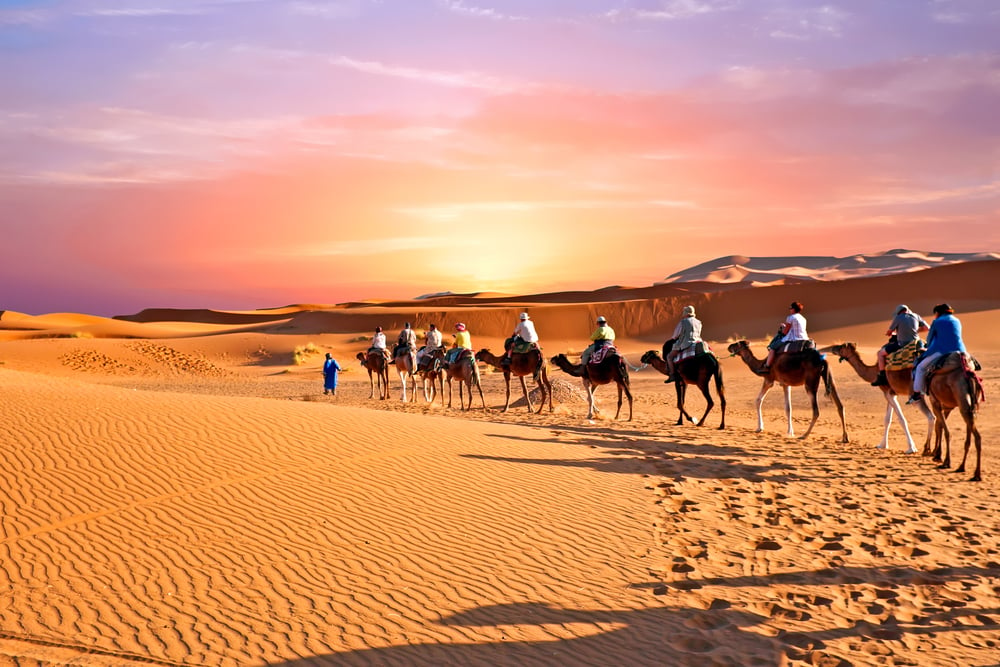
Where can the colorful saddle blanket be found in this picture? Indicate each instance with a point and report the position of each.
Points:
(695, 350)
(905, 357)
(523, 347)
(601, 352)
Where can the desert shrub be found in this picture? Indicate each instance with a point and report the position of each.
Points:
(360, 339)
(302, 353)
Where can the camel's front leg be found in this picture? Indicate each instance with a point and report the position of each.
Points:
(591, 401)
(759, 402)
(929, 416)
(788, 409)
(619, 410)
(894, 406)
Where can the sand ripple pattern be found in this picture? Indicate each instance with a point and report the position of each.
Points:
(176, 361)
(231, 531)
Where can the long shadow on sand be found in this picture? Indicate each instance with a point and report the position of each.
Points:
(656, 457)
(726, 633)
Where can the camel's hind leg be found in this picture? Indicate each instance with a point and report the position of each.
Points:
(524, 390)
(892, 406)
(969, 415)
(815, 409)
(703, 386)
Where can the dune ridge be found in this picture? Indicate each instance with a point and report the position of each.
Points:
(187, 494)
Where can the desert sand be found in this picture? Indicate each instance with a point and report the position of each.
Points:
(177, 490)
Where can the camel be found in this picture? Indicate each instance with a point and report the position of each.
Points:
(406, 367)
(466, 372)
(698, 370)
(791, 369)
(612, 368)
(378, 368)
(522, 364)
(900, 383)
(429, 372)
(955, 385)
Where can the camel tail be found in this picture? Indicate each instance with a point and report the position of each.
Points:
(718, 378)
(976, 391)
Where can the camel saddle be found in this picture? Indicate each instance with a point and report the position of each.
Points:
(601, 352)
(797, 346)
(402, 350)
(696, 350)
(953, 360)
(524, 347)
(905, 357)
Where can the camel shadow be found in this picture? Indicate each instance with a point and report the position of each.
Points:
(726, 632)
(656, 457)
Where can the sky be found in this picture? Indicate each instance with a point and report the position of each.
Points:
(239, 154)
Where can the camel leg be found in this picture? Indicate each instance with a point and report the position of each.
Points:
(708, 400)
(892, 406)
(628, 395)
(815, 409)
(591, 401)
(840, 411)
(759, 402)
(929, 415)
(524, 390)
(681, 412)
(449, 393)
(479, 387)
(943, 441)
(371, 381)
(619, 410)
(543, 381)
(788, 410)
(506, 380)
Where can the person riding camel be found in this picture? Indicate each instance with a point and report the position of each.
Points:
(944, 338)
(407, 339)
(686, 334)
(793, 328)
(603, 336)
(524, 332)
(463, 341)
(379, 343)
(905, 328)
(432, 341)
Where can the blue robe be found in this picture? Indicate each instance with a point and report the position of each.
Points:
(330, 368)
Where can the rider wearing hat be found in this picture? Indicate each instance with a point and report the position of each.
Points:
(463, 341)
(944, 338)
(378, 343)
(603, 335)
(686, 333)
(904, 329)
(524, 332)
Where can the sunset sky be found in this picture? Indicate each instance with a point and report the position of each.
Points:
(243, 154)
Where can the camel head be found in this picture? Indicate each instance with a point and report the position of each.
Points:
(844, 350)
(738, 346)
(483, 354)
(361, 357)
(649, 357)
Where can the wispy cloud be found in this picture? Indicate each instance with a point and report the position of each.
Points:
(807, 23)
(382, 245)
(460, 7)
(476, 80)
(672, 10)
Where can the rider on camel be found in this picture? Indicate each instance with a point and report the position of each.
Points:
(463, 341)
(432, 341)
(603, 336)
(686, 334)
(944, 338)
(524, 332)
(905, 328)
(793, 328)
(378, 343)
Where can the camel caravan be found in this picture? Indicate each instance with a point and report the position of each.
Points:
(937, 377)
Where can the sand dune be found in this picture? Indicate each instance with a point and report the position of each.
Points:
(765, 270)
(188, 495)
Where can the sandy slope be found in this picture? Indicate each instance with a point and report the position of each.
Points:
(197, 500)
